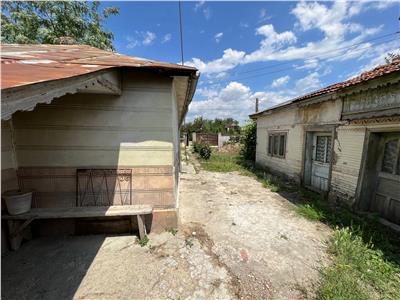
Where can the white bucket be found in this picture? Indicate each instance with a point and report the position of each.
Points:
(17, 201)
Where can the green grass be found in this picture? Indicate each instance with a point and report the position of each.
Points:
(227, 162)
(366, 254)
(310, 212)
(359, 270)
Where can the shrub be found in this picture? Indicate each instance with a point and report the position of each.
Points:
(205, 151)
(248, 140)
(196, 147)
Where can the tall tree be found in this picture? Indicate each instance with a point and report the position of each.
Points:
(54, 22)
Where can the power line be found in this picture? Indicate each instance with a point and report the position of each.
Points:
(181, 30)
(316, 56)
(321, 59)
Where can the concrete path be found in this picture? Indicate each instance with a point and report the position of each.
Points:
(236, 240)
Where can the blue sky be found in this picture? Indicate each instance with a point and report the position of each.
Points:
(273, 51)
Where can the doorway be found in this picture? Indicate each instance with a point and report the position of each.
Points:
(318, 157)
(386, 197)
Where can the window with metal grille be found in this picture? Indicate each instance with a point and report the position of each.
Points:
(390, 162)
(323, 151)
(277, 144)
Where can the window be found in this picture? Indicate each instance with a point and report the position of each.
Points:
(277, 144)
(391, 161)
(323, 151)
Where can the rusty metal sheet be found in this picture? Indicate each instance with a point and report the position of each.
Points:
(29, 64)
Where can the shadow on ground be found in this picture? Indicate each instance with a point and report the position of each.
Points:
(48, 268)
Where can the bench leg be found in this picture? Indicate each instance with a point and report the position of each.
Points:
(15, 235)
(141, 226)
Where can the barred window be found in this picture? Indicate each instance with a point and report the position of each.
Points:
(277, 144)
(323, 151)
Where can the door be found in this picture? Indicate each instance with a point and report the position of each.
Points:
(386, 200)
(321, 158)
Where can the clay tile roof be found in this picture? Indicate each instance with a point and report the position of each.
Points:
(363, 77)
(29, 64)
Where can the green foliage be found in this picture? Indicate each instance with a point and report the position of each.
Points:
(196, 147)
(310, 212)
(203, 149)
(143, 242)
(359, 271)
(225, 126)
(52, 22)
(249, 140)
(222, 162)
(172, 230)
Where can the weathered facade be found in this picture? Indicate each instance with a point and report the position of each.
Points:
(343, 140)
(107, 137)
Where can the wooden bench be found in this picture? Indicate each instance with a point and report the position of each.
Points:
(17, 223)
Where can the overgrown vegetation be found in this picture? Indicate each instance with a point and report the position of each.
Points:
(143, 242)
(366, 261)
(172, 230)
(203, 149)
(366, 254)
(248, 141)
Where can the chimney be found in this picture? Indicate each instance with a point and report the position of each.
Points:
(257, 104)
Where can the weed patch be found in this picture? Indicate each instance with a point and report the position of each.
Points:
(143, 242)
(172, 230)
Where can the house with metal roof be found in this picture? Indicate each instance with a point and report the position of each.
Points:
(342, 140)
(84, 127)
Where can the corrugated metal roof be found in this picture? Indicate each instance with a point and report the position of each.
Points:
(363, 77)
(29, 64)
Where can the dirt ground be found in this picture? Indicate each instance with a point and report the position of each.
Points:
(236, 240)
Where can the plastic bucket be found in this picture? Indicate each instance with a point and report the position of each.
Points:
(17, 201)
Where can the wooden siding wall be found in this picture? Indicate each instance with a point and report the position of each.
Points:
(133, 130)
(349, 147)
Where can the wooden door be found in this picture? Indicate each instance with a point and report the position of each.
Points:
(386, 200)
(321, 158)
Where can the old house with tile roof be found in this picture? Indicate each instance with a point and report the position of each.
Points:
(342, 140)
(87, 127)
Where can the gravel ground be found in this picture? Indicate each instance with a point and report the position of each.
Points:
(236, 240)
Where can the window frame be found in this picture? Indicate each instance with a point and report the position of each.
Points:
(271, 143)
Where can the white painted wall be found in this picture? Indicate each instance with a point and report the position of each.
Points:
(293, 121)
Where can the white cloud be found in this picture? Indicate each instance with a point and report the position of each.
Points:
(308, 83)
(243, 25)
(142, 38)
(229, 60)
(166, 38)
(263, 16)
(148, 38)
(207, 13)
(235, 100)
(199, 5)
(333, 21)
(218, 36)
(280, 81)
